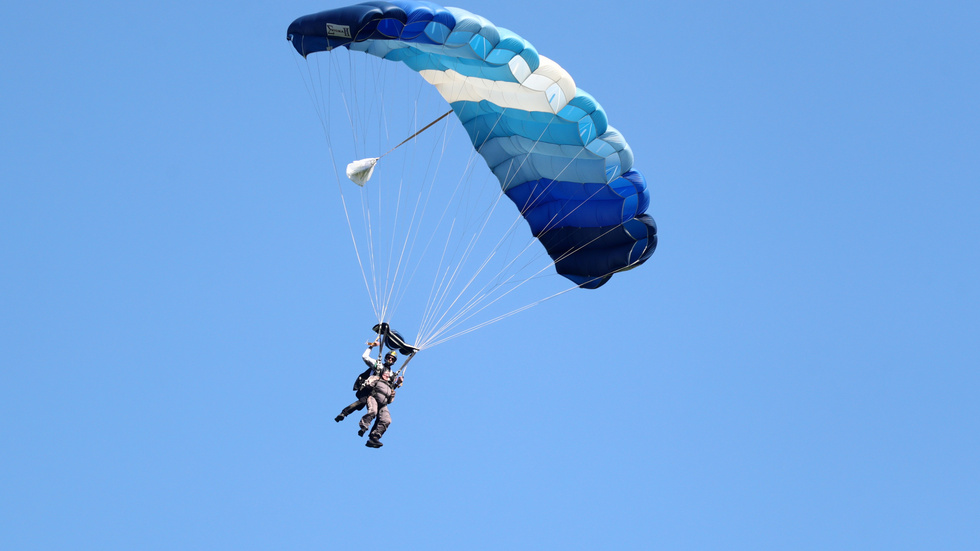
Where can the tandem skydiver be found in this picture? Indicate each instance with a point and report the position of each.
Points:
(375, 389)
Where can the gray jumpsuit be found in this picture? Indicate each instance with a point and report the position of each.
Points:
(377, 405)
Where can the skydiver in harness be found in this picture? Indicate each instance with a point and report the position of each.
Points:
(375, 388)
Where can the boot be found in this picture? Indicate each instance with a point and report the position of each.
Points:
(361, 432)
(339, 418)
(372, 443)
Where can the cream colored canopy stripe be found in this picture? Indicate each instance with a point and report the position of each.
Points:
(548, 89)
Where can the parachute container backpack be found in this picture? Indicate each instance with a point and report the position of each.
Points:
(547, 143)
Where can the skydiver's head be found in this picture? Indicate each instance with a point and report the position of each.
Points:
(390, 358)
(386, 374)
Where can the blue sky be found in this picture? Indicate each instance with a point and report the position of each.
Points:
(181, 313)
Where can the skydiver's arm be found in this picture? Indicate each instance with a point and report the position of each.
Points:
(367, 357)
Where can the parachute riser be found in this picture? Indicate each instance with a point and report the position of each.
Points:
(382, 337)
(404, 365)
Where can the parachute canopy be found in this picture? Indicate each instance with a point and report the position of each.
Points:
(547, 142)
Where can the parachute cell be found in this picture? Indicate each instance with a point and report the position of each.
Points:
(548, 143)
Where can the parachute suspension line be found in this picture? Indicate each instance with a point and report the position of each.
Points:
(379, 246)
(449, 276)
(320, 101)
(308, 83)
(355, 131)
(390, 286)
(459, 317)
(380, 241)
(371, 253)
(384, 217)
(350, 105)
(448, 325)
(462, 316)
(514, 225)
(483, 293)
(478, 297)
(430, 303)
(392, 268)
(438, 292)
(416, 231)
(456, 197)
(385, 285)
(485, 216)
(391, 280)
(383, 85)
(430, 343)
(357, 253)
(343, 94)
(436, 301)
(406, 159)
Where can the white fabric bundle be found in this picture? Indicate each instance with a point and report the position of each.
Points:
(360, 172)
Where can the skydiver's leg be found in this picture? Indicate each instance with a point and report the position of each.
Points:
(356, 406)
(381, 424)
(359, 404)
(372, 407)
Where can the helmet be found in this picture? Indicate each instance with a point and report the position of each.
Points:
(391, 356)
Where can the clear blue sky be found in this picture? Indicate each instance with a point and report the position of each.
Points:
(795, 368)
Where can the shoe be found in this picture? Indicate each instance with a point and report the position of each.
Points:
(339, 418)
(361, 432)
(372, 443)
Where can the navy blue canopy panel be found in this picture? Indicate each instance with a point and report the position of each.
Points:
(547, 142)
